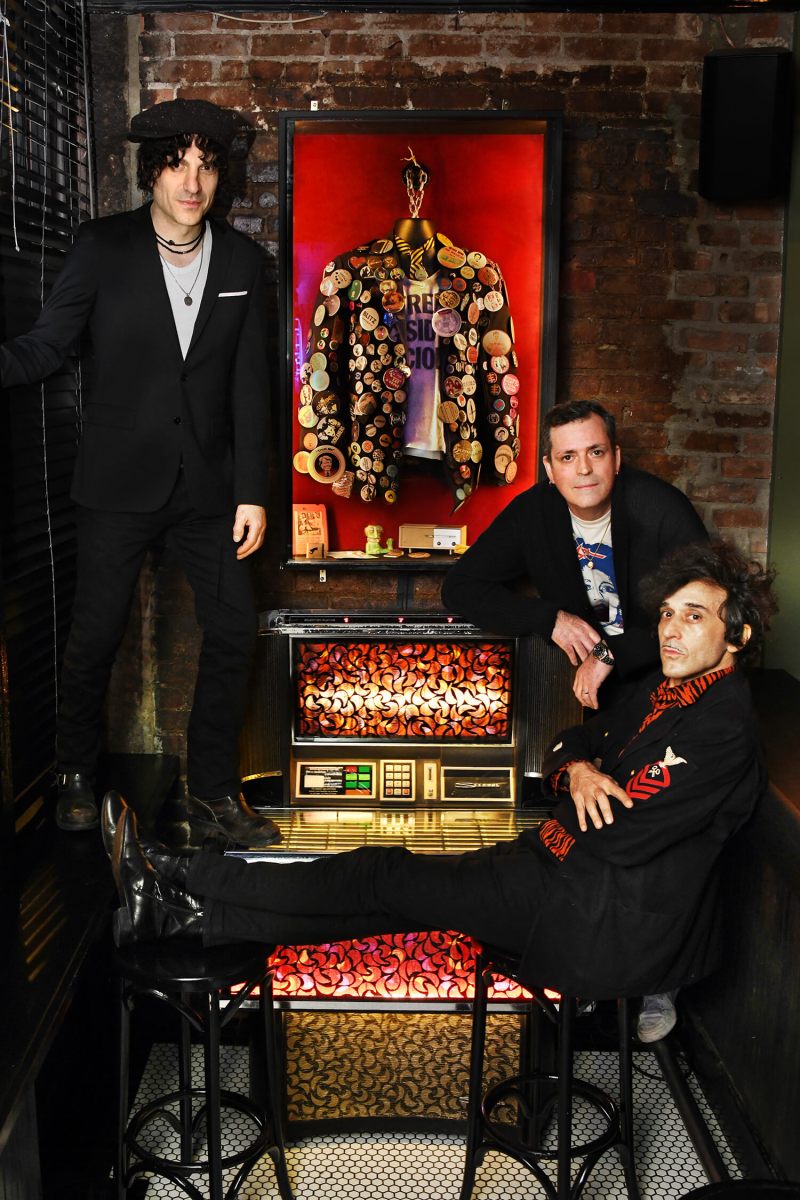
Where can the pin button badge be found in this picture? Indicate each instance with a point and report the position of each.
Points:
(510, 385)
(493, 301)
(393, 301)
(369, 318)
(496, 341)
(476, 259)
(451, 256)
(446, 322)
(502, 457)
(393, 378)
(326, 464)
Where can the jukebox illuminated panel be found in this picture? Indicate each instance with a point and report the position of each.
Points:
(413, 691)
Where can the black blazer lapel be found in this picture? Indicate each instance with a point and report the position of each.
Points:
(621, 540)
(563, 557)
(147, 274)
(221, 250)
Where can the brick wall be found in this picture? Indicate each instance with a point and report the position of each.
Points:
(669, 304)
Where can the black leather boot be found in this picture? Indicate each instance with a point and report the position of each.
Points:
(153, 907)
(232, 817)
(76, 808)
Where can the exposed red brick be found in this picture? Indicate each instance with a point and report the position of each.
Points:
(722, 492)
(170, 70)
(221, 45)
(178, 22)
(739, 419)
(709, 440)
(738, 518)
(663, 24)
(458, 46)
(742, 467)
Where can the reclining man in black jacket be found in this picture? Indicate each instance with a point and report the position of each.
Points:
(614, 895)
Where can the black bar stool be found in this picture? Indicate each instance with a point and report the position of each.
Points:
(539, 1088)
(206, 987)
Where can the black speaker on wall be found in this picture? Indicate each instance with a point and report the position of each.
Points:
(746, 124)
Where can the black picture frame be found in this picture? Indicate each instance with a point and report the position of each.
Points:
(294, 205)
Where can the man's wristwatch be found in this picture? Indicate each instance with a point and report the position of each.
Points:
(603, 652)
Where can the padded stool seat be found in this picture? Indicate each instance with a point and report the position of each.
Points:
(537, 1092)
(206, 987)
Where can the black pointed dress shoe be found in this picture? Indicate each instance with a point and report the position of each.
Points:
(111, 810)
(76, 808)
(233, 817)
(153, 908)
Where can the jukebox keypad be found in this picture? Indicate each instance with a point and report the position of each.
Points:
(397, 780)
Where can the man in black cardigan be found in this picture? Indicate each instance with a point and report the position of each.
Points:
(584, 540)
(615, 895)
(173, 445)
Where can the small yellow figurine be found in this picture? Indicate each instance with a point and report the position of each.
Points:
(373, 536)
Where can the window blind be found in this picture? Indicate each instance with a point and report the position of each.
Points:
(45, 192)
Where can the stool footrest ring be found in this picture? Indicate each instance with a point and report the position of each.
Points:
(175, 1169)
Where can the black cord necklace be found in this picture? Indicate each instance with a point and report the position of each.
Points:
(168, 244)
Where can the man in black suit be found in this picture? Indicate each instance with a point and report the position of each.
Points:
(615, 895)
(173, 446)
(584, 539)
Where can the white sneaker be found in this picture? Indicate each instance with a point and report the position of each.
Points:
(657, 1017)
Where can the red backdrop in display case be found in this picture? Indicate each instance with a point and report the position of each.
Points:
(487, 192)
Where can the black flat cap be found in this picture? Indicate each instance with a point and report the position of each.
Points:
(186, 116)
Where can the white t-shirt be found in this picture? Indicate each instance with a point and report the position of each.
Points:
(596, 558)
(179, 281)
(422, 433)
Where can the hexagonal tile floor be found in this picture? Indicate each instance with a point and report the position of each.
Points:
(427, 1165)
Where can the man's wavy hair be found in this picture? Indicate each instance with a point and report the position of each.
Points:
(750, 598)
(155, 154)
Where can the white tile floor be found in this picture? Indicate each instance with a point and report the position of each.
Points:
(427, 1166)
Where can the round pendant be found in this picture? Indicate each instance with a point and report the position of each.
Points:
(590, 565)
(187, 300)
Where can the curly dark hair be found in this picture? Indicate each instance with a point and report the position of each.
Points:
(154, 154)
(575, 410)
(750, 598)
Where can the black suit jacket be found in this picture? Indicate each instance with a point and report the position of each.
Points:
(531, 540)
(148, 409)
(632, 907)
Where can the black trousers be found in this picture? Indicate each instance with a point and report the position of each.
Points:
(492, 894)
(111, 549)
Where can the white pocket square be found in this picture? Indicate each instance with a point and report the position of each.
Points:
(224, 295)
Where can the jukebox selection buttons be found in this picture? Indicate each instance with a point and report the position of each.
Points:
(397, 780)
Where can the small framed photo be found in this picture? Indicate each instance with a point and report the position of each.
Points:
(309, 531)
